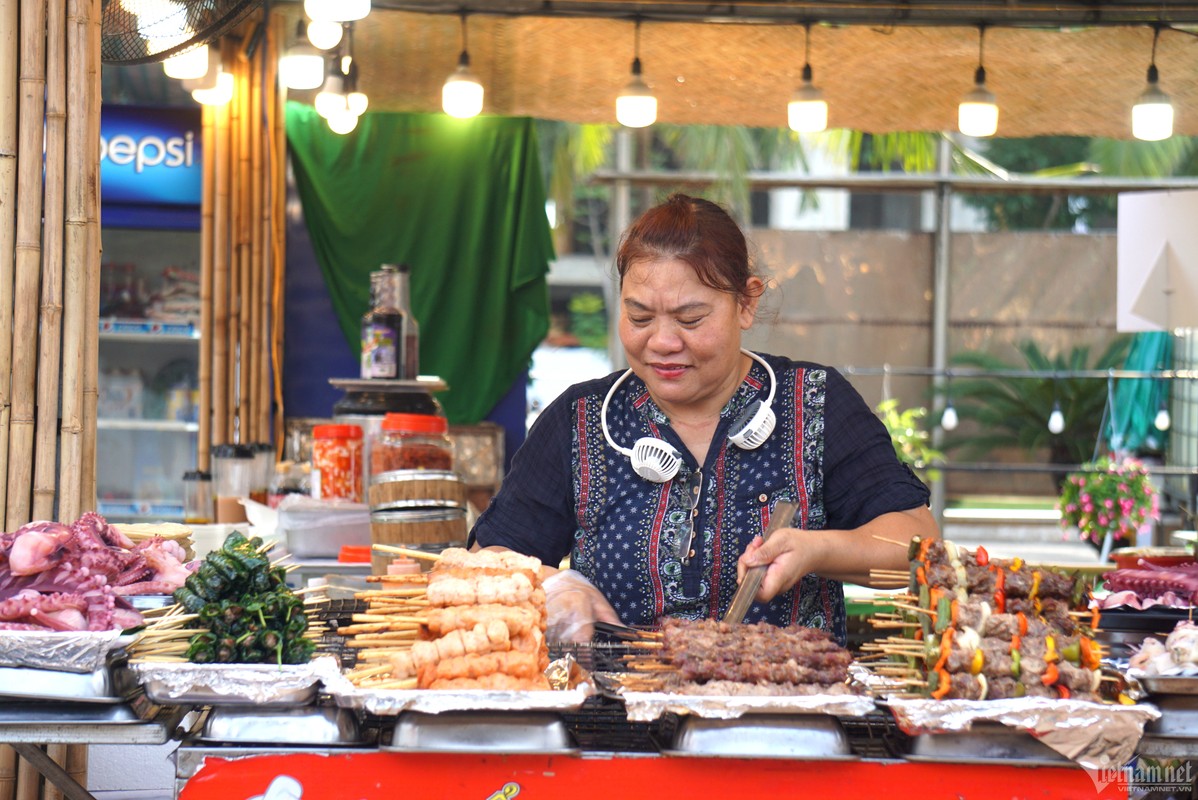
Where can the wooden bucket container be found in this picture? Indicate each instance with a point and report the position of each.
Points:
(429, 529)
(416, 488)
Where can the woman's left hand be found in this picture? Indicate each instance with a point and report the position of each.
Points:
(787, 557)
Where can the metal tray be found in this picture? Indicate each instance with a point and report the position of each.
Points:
(26, 683)
(1179, 717)
(160, 693)
(985, 744)
(1170, 684)
(481, 732)
(763, 736)
(325, 726)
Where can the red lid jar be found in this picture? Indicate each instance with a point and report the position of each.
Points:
(412, 441)
(337, 462)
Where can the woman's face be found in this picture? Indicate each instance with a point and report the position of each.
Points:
(683, 338)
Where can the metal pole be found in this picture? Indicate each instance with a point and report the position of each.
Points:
(941, 262)
(621, 217)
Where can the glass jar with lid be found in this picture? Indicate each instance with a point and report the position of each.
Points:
(412, 441)
(337, 462)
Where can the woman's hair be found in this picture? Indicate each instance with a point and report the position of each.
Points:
(693, 230)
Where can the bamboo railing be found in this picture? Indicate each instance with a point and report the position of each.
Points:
(50, 250)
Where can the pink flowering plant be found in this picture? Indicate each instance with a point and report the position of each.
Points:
(1108, 497)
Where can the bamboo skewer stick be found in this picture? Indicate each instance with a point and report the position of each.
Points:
(892, 541)
(404, 551)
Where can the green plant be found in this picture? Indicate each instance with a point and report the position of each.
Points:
(912, 443)
(588, 319)
(1108, 498)
(1014, 411)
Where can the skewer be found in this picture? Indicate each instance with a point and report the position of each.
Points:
(403, 551)
(406, 683)
(421, 578)
(892, 541)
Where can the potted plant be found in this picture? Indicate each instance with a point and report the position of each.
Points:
(1108, 498)
(912, 443)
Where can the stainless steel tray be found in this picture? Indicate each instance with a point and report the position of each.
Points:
(1170, 684)
(985, 744)
(1179, 717)
(325, 726)
(160, 693)
(763, 736)
(481, 732)
(26, 683)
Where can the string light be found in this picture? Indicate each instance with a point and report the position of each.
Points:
(462, 94)
(1152, 115)
(807, 111)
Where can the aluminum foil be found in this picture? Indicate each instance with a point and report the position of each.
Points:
(1094, 735)
(236, 683)
(390, 702)
(648, 706)
(66, 651)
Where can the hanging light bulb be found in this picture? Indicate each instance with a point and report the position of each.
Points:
(949, 419)
(218, 95)
(1056, 420)
(1152, 115)
(636, 107)
(462, 94)
(187, 65)
(336, 10)
(325, 34)
(807, 111)
(355, 99)
(302, 66)
(343, 121)
(1163, 421)
(331, 97)
(977, 115)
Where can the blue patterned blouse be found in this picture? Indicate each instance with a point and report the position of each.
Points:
(568, 492)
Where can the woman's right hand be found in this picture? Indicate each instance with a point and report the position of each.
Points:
(573, 605)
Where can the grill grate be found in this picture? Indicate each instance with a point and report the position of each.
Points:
(876, 735)
(601, 724)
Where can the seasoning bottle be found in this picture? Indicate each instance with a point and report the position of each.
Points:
(337, 462)
(412, 441)
(383, 327)
(410, 356)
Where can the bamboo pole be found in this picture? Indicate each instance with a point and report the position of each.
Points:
(45, 479)
(277, 254)
(77, 760)
(8, 772)
(244, 261)
(220, 280)
(91, 324)
(57, 753)
(9, 21)
(28, 780)
(75, 266)
(258, 426)
(208, 136)
(234, 286)
(28, 259)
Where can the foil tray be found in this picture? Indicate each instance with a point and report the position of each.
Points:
(26, 683)
(648, 706)
(1168, 684)
(985, 743)
(1094, 735)
(64, 651)
(235, 684)
(481, 732)
(763, 736)
(324, 726)
(390, 702)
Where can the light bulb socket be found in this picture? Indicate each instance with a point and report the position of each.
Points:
(636, 66)
(464, 59)
(979, 76)
(807, 73)
(1154, 75)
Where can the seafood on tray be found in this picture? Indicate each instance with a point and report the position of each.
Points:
(978, 628)
(474, 621)
(77, 577)
(1177, 655)
(1151, 585)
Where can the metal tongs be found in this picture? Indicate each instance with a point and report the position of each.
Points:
(782, 516)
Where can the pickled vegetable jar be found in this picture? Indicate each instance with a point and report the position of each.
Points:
(337, 462)
(412, 441)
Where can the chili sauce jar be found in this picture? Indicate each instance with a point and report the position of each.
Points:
(412, 441)
(337, 462)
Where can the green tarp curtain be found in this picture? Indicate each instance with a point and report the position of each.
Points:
(463, 204)
(1137, 401)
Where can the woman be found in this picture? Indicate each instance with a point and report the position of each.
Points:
(646, 541)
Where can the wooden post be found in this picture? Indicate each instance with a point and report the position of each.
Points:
(204, 412)
(76, 261)
(45, 479)
(9, 19)
(28, 259)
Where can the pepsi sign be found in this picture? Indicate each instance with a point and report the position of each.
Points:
(150, 155)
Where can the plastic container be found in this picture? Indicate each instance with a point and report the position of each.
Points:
(337, 462)
(314, 529)
(232, 478)
(412, 442)
(289, 478)
(264, 469)
(197, 498)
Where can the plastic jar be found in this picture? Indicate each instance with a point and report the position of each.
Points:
(337, 462)
(412, 441)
